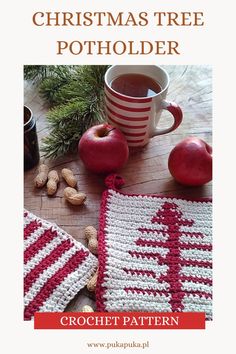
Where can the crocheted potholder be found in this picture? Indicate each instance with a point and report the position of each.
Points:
(56, 266)
(155, 253)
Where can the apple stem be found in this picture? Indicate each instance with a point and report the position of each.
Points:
(108, 131)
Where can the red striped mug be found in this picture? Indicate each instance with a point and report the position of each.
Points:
(138, 117)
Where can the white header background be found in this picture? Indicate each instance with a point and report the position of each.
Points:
(22, 43)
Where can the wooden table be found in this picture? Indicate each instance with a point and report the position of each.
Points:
(146, 171)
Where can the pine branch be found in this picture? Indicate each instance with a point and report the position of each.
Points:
(67, 124)
(76, 94)
(37, 73)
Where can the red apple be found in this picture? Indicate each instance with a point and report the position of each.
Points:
(103, 149)
(190, 162)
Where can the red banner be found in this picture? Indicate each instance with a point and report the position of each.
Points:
(118, 320)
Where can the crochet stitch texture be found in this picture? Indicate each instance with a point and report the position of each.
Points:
(56, 266)
(155, 253)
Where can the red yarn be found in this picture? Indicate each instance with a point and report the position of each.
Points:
(160, 263)
(56, 266)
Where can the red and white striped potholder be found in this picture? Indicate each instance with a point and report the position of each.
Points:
(56, 266)
(155, 253)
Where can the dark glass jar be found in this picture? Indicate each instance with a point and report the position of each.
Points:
(31, 148)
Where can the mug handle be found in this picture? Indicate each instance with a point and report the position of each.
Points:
(177, 114)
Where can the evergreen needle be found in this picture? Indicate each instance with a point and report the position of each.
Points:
(75, 94)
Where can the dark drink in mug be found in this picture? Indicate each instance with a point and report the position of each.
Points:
(136, 85)
(31, 148)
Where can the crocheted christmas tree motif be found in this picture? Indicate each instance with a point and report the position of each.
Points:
(171, 220)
